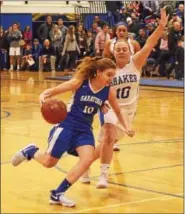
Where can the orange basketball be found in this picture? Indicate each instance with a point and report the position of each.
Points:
(54, 111)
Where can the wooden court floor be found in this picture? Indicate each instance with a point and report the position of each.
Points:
(146, 176)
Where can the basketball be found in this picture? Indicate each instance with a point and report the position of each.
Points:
(54, 111)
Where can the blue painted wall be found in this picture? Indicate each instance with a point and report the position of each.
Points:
(8, 19)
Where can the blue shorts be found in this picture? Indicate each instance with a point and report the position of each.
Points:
(66, 139)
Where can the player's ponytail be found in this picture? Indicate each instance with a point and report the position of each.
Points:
(87, 69)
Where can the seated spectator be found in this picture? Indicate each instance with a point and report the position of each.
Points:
(124, 14)
(132, 27)
(175, 18)
(164, 54)
(47, 56)
(150, 28)
(180, 12)
(142, 37)
(174, 35)
(36, 50)
(27, 59)
(179, 60)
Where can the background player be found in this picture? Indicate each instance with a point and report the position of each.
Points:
(126, 83)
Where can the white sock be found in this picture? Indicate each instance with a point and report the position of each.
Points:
(18, 67)
(11, 67)
(104, 168)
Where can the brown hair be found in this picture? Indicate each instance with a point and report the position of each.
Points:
(89, 66)
(70, 32)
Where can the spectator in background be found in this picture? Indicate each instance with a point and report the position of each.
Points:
(55, 36)
(26, 58)
(164, 54)
(81, 40)
(90, 44)
(142, 37)
(179, 60)
(14, 37)
(180, 12)
(124, 14)
(94, 29)
(44, 30)
(27, 35)
(174, 35)
(121, 32)
(150, 29)
(101, 38)
(175, 18)
(98, 21)
(62, 28)
(47, 56)
(152, 6)
(133, 27)
(71, 48)
(36, 51)
(4, 46)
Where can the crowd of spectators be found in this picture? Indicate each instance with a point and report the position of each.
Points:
(56, 47)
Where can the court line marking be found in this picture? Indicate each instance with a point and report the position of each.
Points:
(133, 187)
(121, 204)
(142, 142)
(155, 141)
(7, 114)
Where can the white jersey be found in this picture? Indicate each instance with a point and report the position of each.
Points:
(126, 83)
(113, 42)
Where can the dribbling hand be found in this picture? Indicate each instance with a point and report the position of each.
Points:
(130, 133)
(42, 98)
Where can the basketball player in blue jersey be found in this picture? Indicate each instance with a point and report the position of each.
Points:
(74, 135)
(126, 85)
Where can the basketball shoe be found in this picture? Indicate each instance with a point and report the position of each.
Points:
(25, 154)
(103, 181)
(116, 147)
(59, 198)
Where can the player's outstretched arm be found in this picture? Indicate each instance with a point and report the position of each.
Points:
(70, 85)
(113, 102)
(140, 57)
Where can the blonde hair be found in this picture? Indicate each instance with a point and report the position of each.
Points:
(87, 69)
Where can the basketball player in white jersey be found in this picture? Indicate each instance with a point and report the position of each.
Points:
(126, 83)
(121, 32)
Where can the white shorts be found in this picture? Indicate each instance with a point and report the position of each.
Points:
(110, 117)
(15, 51)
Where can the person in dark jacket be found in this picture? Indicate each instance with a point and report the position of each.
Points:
(4, 47)
(43, 31)
(175, 34)
(179, 60)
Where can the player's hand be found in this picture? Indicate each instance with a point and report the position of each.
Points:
(43, 97)
(105, 108)
(164, 18)
(130, 132)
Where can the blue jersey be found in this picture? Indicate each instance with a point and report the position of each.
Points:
(84, 105)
